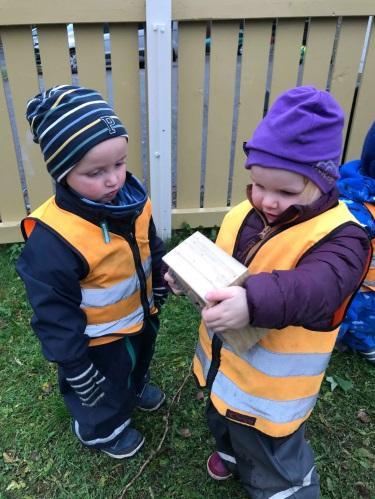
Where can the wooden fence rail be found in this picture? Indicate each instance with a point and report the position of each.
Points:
(232, 59)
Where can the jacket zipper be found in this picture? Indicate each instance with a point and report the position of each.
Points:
(139, 268)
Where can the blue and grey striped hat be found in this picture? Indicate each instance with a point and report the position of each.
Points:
(67, 121)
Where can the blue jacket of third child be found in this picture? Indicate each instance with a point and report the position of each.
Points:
(356, 189)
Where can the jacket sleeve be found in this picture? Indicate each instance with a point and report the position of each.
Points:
(157, 249)
(51, 272)
(309, 294)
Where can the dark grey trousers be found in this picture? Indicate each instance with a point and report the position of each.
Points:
(268, 467)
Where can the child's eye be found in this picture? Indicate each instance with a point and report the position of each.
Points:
(119, 164)
(287, 193)
(96, 173)
(259, 186)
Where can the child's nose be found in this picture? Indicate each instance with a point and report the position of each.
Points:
(269, 200)
(111, 178)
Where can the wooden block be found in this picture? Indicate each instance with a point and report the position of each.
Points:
(199, 266)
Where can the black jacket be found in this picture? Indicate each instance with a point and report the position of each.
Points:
(52, 270)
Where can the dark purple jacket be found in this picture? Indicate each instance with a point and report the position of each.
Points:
(309, 294)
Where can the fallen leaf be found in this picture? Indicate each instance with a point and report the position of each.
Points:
(200, 396)
(344, 384)
(9, 457)
(47, 388)
(332, 382)
(16, 485)
(363, 416)
(363, 490)
(185, 432)
(336, 381)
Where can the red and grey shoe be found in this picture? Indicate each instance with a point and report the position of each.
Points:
(216, 467)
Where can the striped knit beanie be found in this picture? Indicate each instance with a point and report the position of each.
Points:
(67, 121)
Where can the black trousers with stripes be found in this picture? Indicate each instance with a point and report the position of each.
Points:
(125, 364)
(268, 467)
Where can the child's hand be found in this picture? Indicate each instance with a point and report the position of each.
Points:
(172, 284)
(230, 313)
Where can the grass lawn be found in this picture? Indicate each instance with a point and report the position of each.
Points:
(40, 457)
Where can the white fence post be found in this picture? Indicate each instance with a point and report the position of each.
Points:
(158, 31)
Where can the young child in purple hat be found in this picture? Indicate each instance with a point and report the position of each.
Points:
(306, 256)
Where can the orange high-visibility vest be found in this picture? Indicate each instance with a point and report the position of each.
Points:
(111, 291)
(273, 386)
(369, 282)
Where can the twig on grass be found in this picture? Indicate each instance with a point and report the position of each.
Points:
(154, 452)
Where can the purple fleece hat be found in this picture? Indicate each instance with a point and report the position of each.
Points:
(302, 133)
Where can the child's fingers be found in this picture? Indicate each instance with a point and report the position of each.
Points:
(172, 284)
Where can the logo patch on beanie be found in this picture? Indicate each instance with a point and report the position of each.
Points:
(110, 124)
(328, 170)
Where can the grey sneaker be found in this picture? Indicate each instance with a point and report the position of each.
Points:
(127, 445)
(151, 398)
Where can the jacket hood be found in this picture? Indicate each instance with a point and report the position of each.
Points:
(354, 185)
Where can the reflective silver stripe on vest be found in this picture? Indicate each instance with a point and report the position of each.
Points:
(107, 296)
(282, 364)
(273, 410)
(205, 363)
(276, 411)
(368, 283)
(285, 364)
(98, 330)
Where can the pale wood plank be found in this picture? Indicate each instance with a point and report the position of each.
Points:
(232, 9)
(90, 56)
(54, 54)
(12, 206)
(83, 11)
(224, 40)
(318, 54)
(191, 59)
(256, 47)
(18, 48)
(364, 114)
(126, 92)
(347, 60)
(10, 233)
(288, 43)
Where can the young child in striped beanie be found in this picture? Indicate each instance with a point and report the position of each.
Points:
(92, 269)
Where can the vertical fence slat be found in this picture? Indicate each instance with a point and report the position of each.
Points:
(126, 93)
(318, 55)
(224, 41)
(18, 48)
(288, 42)
(191, 59)
(90, 56)
(255, 51)
(345, 72)
(365, 109)
(54, 54)
(12, 207)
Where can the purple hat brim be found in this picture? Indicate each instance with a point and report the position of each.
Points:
(265, 160)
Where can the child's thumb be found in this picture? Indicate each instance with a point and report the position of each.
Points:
(217, 295)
